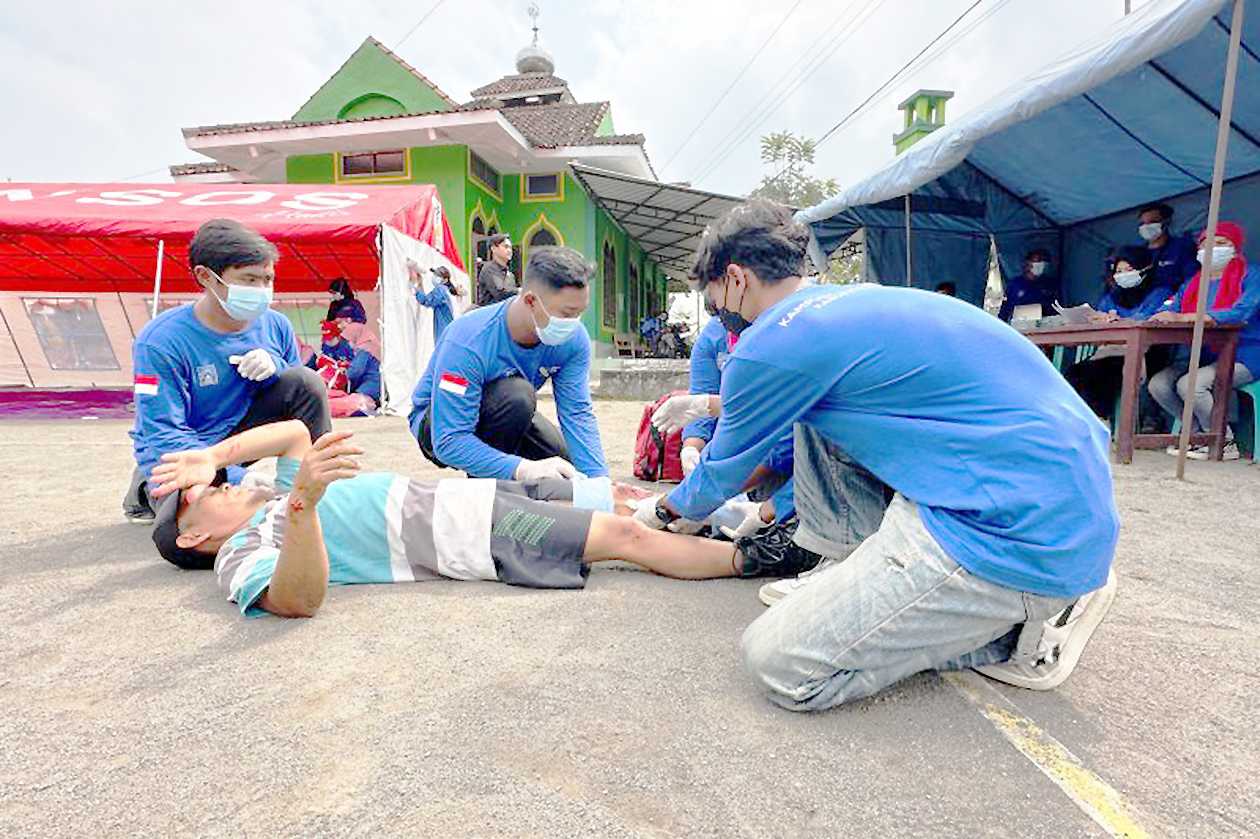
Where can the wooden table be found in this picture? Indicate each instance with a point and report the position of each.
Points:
(1136, 337)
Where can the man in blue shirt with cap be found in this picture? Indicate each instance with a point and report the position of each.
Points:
(995, 550)
(475, 407)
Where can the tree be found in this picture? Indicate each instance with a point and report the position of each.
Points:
(791, 184)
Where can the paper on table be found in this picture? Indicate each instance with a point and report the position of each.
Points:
(1075, 314)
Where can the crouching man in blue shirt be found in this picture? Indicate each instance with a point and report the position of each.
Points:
(216, 367)
(996, 547)
(475, 407)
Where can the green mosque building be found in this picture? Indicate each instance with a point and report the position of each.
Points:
(509, 160)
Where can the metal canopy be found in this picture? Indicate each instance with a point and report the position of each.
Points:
(666, 220)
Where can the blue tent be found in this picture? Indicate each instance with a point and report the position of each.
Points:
(1063, 159)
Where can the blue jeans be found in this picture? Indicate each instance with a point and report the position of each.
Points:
(895, 606)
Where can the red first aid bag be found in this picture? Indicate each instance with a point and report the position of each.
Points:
(657, 457)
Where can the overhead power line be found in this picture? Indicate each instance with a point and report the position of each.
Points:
(731, 86)
(413, 29)
(778, 95)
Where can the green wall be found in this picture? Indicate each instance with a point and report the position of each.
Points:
(580, 222)
(371, 83)
(310, 169)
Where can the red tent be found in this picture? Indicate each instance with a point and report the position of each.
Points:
(79, 265)
(103, 237)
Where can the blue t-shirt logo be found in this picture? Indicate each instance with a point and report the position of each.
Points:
(207, 375)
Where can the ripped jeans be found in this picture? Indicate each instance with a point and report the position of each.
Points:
(895, 606)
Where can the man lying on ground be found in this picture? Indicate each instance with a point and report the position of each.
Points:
(325, 523)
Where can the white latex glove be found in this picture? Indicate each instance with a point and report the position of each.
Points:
(552, 467)
(748, 511)
(255, 365)
(645, 511)
(690, 460)
(679, 410)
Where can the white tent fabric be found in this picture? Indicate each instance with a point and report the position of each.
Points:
(1142, 36)
(406, 326)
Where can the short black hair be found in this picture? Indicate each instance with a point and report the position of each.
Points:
(557, 267)
(760, 235)
(1165, 210)
(498, 239)
(222, 243)
(948, 287)
(341, 286)
(1038, 252)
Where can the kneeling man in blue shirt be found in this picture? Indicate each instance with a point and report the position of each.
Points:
(228, 362)
(995, 548)
(475, 407)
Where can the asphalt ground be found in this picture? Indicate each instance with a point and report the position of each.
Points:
(135, 700)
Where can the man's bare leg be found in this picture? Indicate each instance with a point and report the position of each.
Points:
(664, 553)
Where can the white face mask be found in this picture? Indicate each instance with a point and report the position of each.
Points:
(1221, 255)
(1152, 231)
(1037, 268)
(1128, 279)
(557, 330)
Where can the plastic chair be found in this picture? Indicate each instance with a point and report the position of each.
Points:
(1252, 390)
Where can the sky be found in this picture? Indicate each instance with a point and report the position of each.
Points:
(98, 91)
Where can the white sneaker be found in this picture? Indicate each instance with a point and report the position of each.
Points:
(1194, 452)
(1063, 641)
(772, 593)
(1231, 451)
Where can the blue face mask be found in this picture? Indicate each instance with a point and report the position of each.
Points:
(557, 330)
(244, 303)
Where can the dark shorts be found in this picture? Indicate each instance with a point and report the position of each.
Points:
(537, 544)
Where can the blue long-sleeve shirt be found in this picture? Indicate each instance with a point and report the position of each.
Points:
(365, 375)
(1024, 291)
(1245, 311)
(1008, 466)
(477, 350)
(708, 357)
(1176, 262)
(1149, 305)
(187, 394)
(439, 300)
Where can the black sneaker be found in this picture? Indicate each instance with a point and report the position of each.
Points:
(772, 553)
(138, 511)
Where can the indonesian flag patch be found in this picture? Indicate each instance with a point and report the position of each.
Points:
(449, 382)
(146, 385)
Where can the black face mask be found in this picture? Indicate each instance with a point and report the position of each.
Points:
(734, 322)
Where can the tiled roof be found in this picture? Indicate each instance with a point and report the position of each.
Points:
(548, 126)
(204, 168)
(543, 126)
(520, 83)
(237, 127)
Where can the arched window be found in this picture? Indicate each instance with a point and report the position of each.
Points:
(542, 236)
(633, 292)
(610, 286)
(480, 249)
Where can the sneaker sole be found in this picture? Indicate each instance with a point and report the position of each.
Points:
(768, 595)
(1069, 655)
(141, 520)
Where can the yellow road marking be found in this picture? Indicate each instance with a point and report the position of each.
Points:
(1098, 799)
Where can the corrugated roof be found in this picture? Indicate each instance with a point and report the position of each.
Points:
(667, 220)
(208, 167)
(520, 83)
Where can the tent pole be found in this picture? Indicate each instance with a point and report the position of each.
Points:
(25, 368)
(908, 282)
(1214, 212)
(157, 278)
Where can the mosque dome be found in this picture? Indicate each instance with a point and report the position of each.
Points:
(535, 59)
